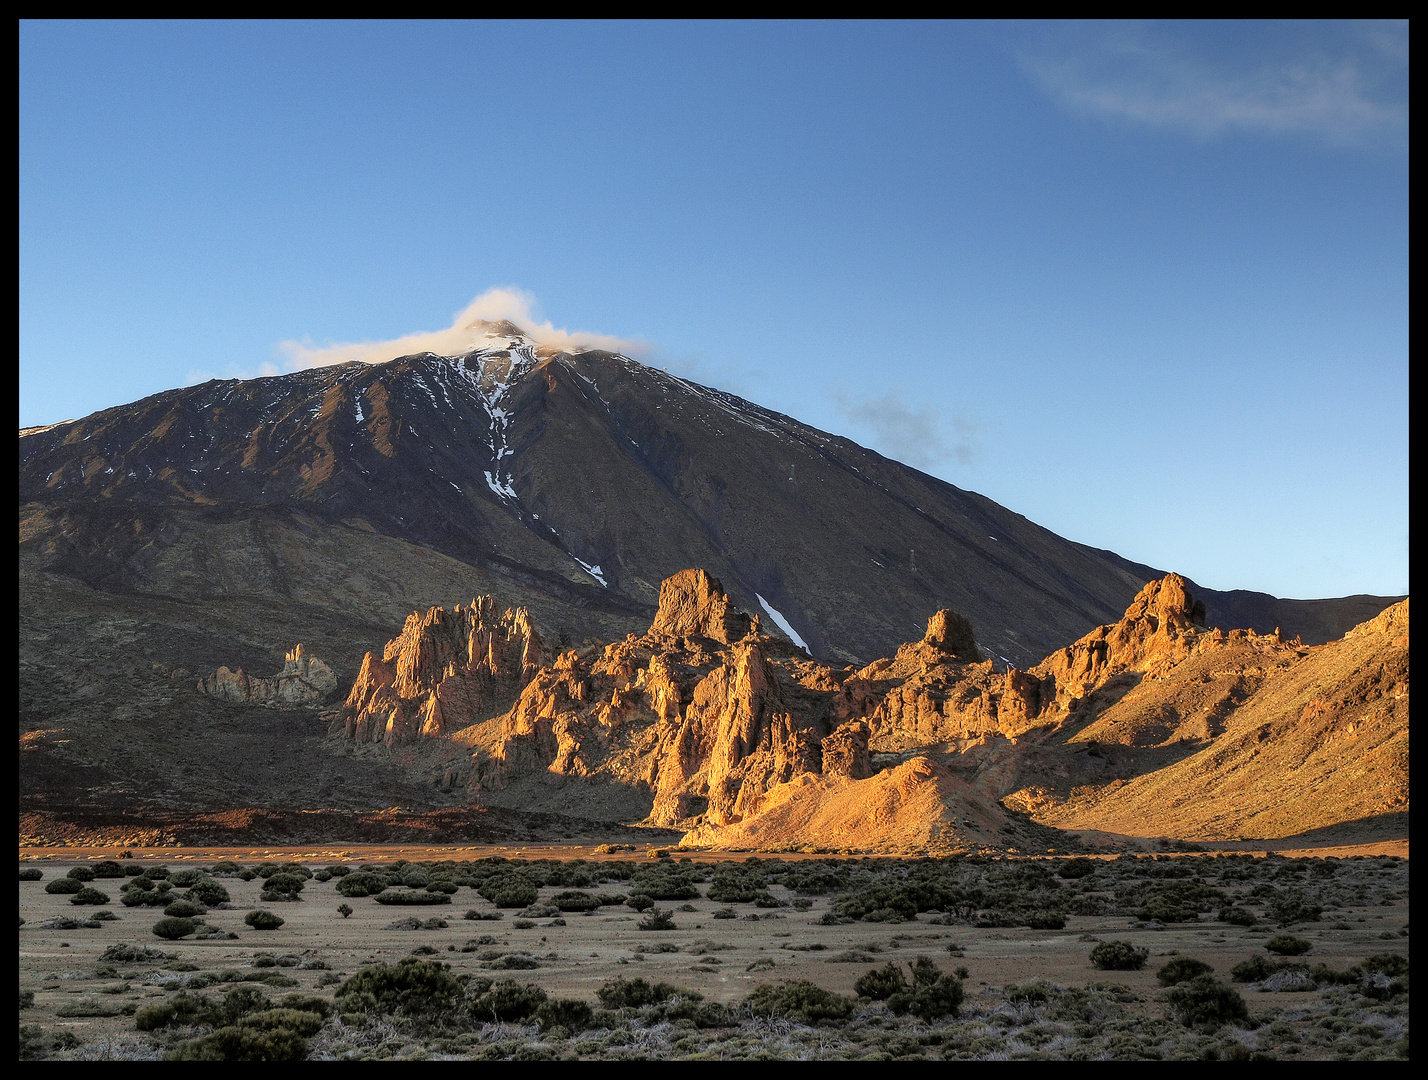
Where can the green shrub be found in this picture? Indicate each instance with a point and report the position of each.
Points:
(415, 987)
(361, 884)
(1033, 993)
(575, 901)
(799, 1000)
(338, 870)
(132, 869)
(1255, 969)
(183, 1009)
(31, 873)
(182, 879)
(640, 902)
(1182, 969)
(108, 869)
(182, 909)
(509, 891)
(508, 1000)
(483, 916)
(637, 992)
(1076, 868)
(1288, 945)
(307, 1003)
(1044, 920)
(81, 873)
(1237, 916)
(208, 892)
(409, 897)
(303, 1022)
(267, 870)
(285, 883)
(89, 895)
(173, 929)
(1119, 956)
(63, 886)
(880, 983)
(929, 1001)
(241, 1043)
(263, 920)
(132, 954)
(1292, 908)
(566, 1013)
(1204, 1001)
(344, 910)
(1390, 964)
(225, 869)
(443, 885)
(656, 919)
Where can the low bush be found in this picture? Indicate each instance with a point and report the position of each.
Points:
(361, 884)
(1237, 916)
(1292, 908)
(508, 891)
(1182, 969)
(1119, 956)
(640, 902)
(263, 920)
(565, 1013)
(508, 1000)
(31, 873)
(1288, 945)
(208, 892)
(637, 992)
(1044, 920)
(1255, 969)
(173, 929)
(285, 883)
(1076, 868)
(418, 897)
(133, 954)
(225, 869)
(182, 909)
(344, 910)
(89, 895)
(443, 885)
(880, 983)
(183, 879)
(656, 919)
(1206, 1002)
(421, 988)
(242, 1043)
(63, 886)
(484, 916)
(572, 900)
(81, 873)
(798, 1000)
(108, 869)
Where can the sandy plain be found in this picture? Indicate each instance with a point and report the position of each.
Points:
(722, 959)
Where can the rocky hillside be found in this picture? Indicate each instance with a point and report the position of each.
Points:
(707, 724)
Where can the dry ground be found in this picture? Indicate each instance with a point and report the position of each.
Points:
(723, 959)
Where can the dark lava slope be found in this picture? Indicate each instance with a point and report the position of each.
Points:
(572, 483)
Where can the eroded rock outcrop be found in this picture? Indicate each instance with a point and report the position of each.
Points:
(442, 672)
(707, 724)
(304, 681)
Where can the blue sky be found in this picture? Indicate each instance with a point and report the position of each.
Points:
(1146, 284)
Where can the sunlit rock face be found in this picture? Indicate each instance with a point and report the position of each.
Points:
(304, 681)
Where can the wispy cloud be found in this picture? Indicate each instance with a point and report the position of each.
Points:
(912, 435)
(465, 333)
(1347, 89)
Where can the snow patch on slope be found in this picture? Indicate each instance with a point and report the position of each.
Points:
(782, 624)
(593, 571)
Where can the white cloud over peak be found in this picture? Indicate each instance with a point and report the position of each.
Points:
(465, 333)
